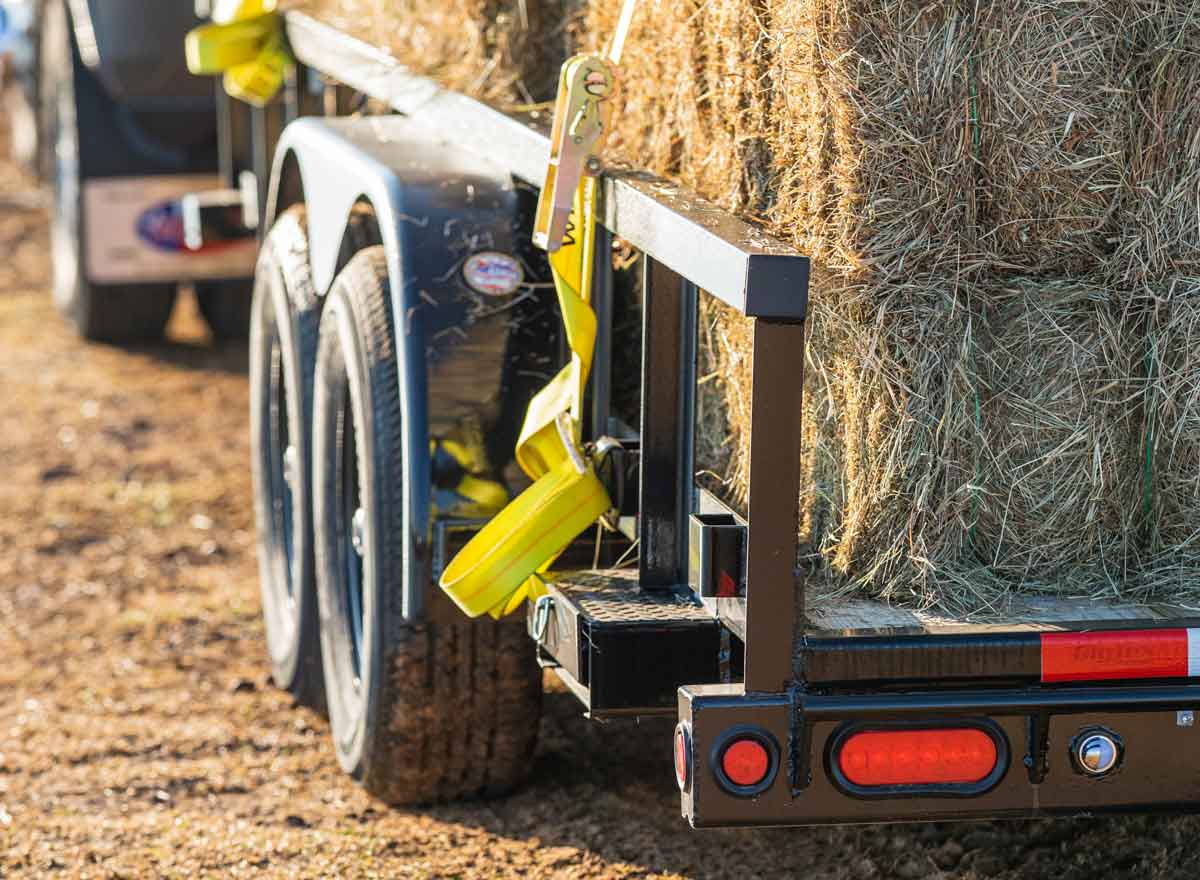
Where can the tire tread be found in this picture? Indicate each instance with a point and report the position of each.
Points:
(459, 709)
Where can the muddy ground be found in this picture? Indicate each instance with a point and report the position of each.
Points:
(140, 737)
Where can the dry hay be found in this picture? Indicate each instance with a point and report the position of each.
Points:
(884, 137)
(971, 428)
(988, 439)
(887, 138)
(1053, 96)
(1160, 237)
(1058, 440)
(1172, 432)
(504, 51)
(995, 197)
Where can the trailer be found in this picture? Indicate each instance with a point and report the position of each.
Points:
(402, 322)
(102, 108)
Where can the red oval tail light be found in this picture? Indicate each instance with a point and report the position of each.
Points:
(922, 757)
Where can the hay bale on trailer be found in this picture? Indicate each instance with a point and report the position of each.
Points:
(888, 138)
(1000, 392)
(963, 447)
(502, 51)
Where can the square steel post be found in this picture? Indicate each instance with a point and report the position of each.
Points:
(600, 386)
(668, 425)
(266, 124)
(772, 606)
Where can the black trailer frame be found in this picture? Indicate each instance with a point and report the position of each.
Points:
(809, 677)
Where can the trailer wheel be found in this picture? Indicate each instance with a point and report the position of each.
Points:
(226, 307)
(82, 111)
(29, 145)
(419, 711)
(283, 325)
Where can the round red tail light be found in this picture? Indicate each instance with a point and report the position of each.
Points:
(683, 756)
(746, 762)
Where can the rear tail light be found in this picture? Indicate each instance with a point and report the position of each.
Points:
(745, 760)
(964, 759)
(683, 756)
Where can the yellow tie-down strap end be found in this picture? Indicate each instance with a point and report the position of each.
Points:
(245, 43)
(491, 575)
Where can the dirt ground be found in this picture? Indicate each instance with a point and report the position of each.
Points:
(140, 737)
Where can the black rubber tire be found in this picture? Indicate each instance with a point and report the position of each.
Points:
(25, 134)
(29, 144)
(420, 712)
(283, 323)
(285, 320)
(84, 113)
(226, 307)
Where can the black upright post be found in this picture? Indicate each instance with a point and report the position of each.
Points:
(600, 387)
(772, 606)
(668, 382)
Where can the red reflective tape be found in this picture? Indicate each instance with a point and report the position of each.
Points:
(1120, 654)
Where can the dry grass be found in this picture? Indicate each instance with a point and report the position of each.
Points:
(1052, 86)
(885, 137)
(976, 385)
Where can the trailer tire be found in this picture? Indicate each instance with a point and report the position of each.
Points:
(226, 307)
(420, 711)
(82, 111)
(30, 147)
(283, 325)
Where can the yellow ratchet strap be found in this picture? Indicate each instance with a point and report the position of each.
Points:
(245, 43)
(476, 494)
(502, 565)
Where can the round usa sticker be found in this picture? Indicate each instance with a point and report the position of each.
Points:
(492, 273)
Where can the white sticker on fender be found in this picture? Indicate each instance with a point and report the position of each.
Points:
(1193, 653)
(493, 274)
(133, 232)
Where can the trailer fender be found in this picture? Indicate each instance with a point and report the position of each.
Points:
(469, 355)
